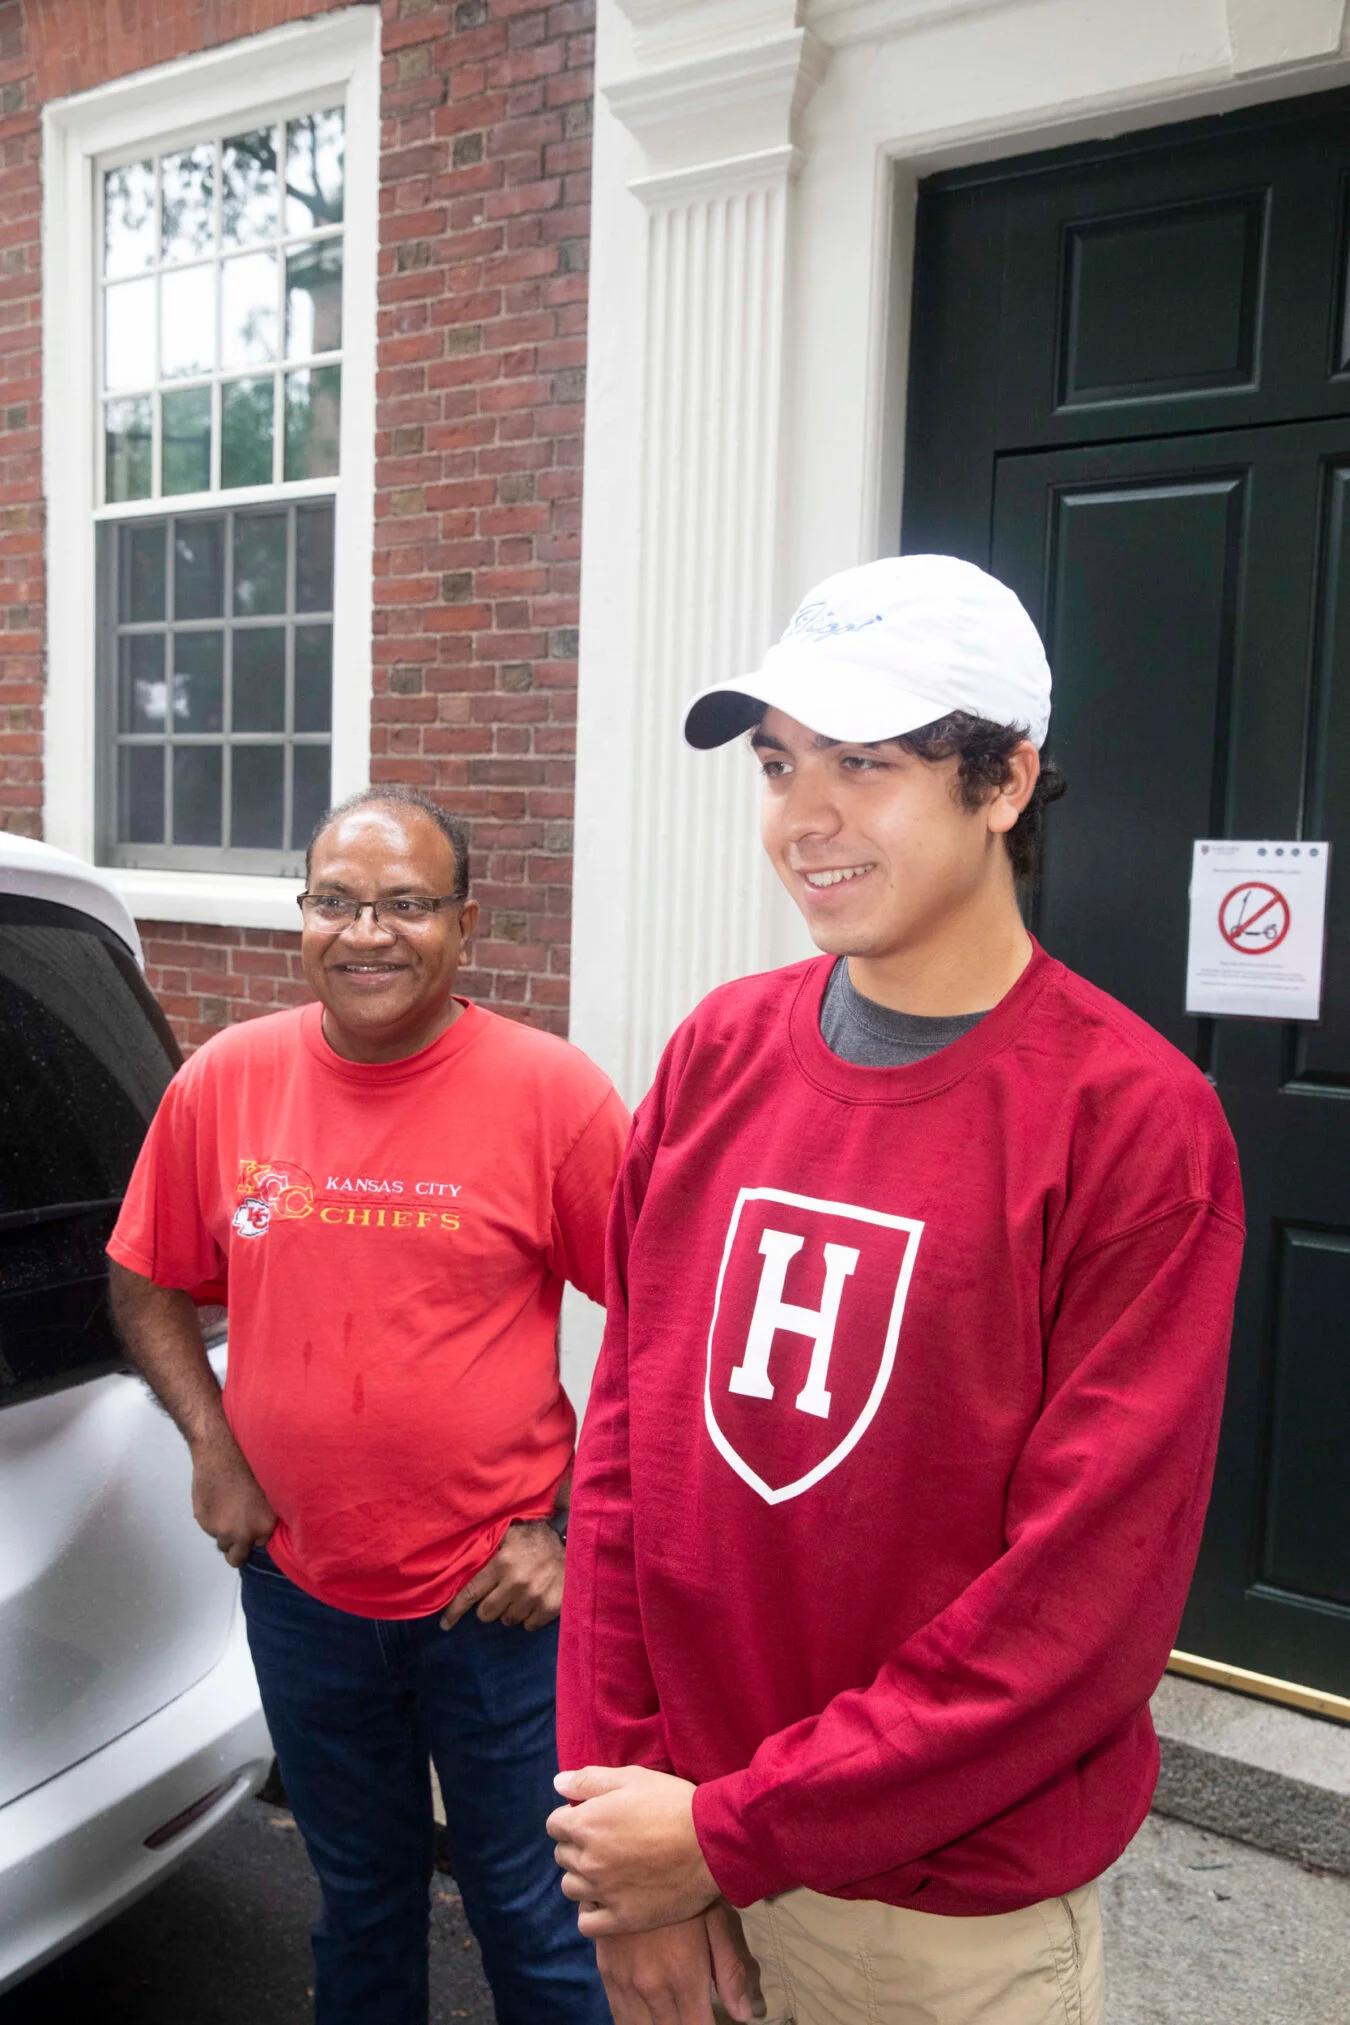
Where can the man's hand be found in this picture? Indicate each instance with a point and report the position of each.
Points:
(228, 1502)
(522, 1583)
(665, 1977)
(628, 1849)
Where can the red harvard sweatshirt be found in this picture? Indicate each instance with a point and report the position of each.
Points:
(895, 1466)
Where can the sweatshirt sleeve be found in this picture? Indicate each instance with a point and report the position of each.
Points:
(608, 1709)
(160, 1231)
(1065, 1636)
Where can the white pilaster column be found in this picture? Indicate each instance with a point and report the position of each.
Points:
(680, 548)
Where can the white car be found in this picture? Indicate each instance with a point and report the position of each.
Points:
(130, 1724)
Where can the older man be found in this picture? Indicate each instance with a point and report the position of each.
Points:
(397, 1184)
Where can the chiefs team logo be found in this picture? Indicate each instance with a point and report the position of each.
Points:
(806, 1322)
(270, 1190)
(251, 1218)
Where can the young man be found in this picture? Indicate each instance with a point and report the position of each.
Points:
(920, 1283)
(397, 1184)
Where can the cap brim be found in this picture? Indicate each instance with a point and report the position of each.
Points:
(845, 702)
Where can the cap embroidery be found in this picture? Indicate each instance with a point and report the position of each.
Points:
(819, 621)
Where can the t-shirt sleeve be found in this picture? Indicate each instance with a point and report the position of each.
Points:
(1066, 1635)
(582, 1188)
(161, 1232)
(609, 1712)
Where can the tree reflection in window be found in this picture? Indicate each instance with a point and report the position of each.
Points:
(222, 318)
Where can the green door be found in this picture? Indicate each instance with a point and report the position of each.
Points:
(1145, 429)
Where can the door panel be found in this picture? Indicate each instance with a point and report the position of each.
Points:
(1168, 283)
(1194, 286)
(1189, 597)
(1192, 274)
(1139, 585)
(1305, 1548)
(1322, 1053)
(1130, 397)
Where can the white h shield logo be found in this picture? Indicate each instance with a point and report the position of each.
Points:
(772, 1313)
(778, 1453)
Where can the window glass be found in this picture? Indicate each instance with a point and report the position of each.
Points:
(313, 405)
(143, 694)
(312, 791)
(129, 445)
(129, 335)
(187, 323)
(256, 818)
(143, 564)
(199, 568)
(222, 268)
(198, 681)
(260, 562)
(314, 557)
(249, 188)
(128, 218)
(259, 693)
(140, 800)
(314, 299)
(84, 1058)
(216, 270)
(313, 678)
(187, 440)
(247, 432)
(314, 147)
(196, 794)
(249, 310)
(222, 631)
(187, 202)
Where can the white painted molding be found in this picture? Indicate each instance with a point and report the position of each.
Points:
(664, 30)
(218, 899)
(727, 105)
(840, 22)
(667, 27)
(719, 134)
(338, 52)
(691, 23)
(711, 438)
(1276, 34)
(707, 179)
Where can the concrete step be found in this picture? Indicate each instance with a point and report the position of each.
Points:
(1263, 1774)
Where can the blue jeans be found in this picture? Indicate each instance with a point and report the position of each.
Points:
(357, 1706)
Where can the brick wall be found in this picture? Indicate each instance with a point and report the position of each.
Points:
(484, 206)
(205, 977)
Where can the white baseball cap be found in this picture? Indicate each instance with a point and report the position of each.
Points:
(878, 651)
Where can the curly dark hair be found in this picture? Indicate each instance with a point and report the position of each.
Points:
(984, 749)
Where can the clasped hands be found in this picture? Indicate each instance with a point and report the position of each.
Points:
(632, 1863)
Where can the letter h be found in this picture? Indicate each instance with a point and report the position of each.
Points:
(751, 1376)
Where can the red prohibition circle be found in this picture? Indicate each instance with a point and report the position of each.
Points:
(1232, 936)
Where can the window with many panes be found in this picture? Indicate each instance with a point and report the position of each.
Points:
(219, 406)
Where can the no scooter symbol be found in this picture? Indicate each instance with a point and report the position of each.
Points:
(1254, 918)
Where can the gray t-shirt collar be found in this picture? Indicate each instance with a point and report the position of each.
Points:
(874, 1036)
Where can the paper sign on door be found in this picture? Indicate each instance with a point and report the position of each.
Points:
(1258, 914)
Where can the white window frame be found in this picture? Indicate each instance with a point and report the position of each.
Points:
(233, 86)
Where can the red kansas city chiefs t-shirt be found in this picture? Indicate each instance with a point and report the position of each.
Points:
(396, 1238)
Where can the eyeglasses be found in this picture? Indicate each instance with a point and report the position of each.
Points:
(335, 911)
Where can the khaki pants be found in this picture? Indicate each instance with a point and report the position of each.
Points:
(834, 1961)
